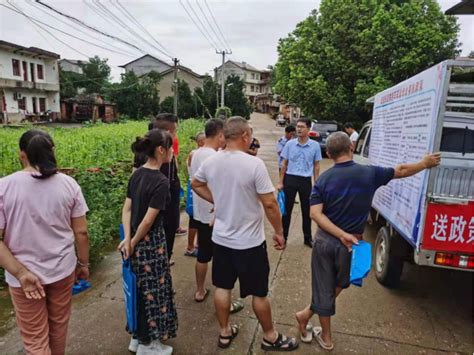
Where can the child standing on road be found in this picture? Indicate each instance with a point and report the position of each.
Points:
(148, 194)
(191, 250)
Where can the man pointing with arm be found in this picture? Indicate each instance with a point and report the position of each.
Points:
(340, 204)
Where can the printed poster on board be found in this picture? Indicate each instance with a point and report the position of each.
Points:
(403, 129)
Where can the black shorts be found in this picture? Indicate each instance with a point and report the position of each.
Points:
(250, 266)
(192, 223)
(205, 244)
(330, 268)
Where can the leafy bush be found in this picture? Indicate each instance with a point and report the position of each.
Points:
(226, 111)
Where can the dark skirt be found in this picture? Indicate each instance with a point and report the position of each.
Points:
(157, 317)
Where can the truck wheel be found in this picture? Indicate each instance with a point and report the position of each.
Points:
(388, 267)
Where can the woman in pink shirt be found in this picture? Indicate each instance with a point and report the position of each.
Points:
(42, 222)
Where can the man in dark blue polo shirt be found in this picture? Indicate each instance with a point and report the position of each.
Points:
(300, 163)
(340, 204)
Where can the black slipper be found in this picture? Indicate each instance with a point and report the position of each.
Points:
(234, 331)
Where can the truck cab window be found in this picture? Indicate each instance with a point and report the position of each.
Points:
(365, 152)
(361, 140)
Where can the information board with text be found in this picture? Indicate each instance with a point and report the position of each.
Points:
(403, 129)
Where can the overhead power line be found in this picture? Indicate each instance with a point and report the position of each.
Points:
(99, 12)
(223, 45)
(129, 28)
(109, 45)
(66, 33)
(143, 28)
(85, 25)
(44, 29)
(40, 32)
(202, 24)
(217, 25)
(197, 26)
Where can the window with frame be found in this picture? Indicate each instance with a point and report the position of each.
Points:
(361, 141)
(16, 67)
(365, 152)
(22, 103)
(252, 88)
(253, 75)
(39, 71)
(42, 104)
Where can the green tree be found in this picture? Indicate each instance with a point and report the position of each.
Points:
(136, 97)
(68, 83)
(206, 97)
(167, 105)
(97, 71)
(186, 103)
(336, 59)
(235, 98)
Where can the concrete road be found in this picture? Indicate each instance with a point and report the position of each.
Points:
(430, 313)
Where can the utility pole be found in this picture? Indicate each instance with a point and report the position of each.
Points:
(223, 52)
(175, 83)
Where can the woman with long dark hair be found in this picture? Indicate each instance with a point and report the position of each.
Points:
(42, 222)
(148, 194)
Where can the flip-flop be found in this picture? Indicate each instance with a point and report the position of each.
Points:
(309, 334)
(236, 306)
(317, 334)
(206, 293)
(192, 253)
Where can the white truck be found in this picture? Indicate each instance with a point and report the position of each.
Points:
(427, 218)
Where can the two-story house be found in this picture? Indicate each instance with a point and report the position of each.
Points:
(71, 65)
(148, 63)
(256, 81)
(29, 83)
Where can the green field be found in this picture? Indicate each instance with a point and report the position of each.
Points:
(100, 159)
(100, 145)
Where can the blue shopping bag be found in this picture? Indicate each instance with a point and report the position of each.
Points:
(129, 282)
(281, 202)
(189, 200)
(361, 262)
(80, 286)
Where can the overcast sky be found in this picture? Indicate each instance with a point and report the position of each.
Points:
(251, 28)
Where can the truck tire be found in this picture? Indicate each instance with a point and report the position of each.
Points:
(388, 267)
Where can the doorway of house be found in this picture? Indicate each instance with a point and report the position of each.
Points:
(102, 112)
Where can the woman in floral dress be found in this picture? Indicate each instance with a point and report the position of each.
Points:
(145, 243)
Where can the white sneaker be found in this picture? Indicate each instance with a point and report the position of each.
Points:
(154, 348)
(133, 346)
(167, 350)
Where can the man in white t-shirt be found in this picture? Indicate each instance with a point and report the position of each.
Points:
(240, 188)
(353, 135)
(202, 215)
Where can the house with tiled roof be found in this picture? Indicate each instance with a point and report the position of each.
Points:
(148, 63)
